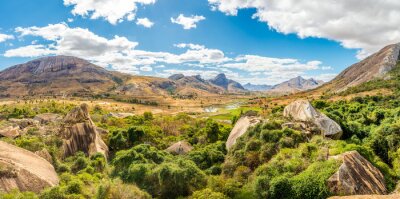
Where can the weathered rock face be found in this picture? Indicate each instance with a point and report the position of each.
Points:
(80, 133)
(23, 123)
(240, 128)
(303, 111)
(47, 118)
(356, 176)
(179, 148)
(10, 131)
(45, 155)
(24, 170)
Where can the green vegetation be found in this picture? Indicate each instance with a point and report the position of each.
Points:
(269, 161)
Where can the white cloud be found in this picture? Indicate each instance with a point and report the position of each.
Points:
(368, 25)
(114, 11)
(144, 22)
(146, 68)
(70, 20)
(254, 63)
(121, 54)
(4, 37)
(29, 51)
(187, 22)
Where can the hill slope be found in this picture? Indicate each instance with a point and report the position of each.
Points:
(57, 75)
(295, 85)
(375, 66)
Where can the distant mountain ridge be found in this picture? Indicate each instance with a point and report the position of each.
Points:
(218, 84)
(296, 84)
(290, 86)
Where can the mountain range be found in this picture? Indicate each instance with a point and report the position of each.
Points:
(65, 75)
(291, 86)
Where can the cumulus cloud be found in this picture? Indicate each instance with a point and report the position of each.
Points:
(187, 22)
(4, 37)
(114, 11)
(352, 23)
(145, 22)
(122, 55)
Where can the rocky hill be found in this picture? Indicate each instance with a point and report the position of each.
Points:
(57, 75)
(375, 66)
(229, 85)
(295, 85)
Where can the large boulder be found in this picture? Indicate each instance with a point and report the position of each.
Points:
(10, 131)
(240, 128)
(356, 176)
(179, 148)
(23, 170)
(79, 133)
(303, 111)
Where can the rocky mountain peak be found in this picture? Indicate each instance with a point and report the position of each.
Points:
(375, 66)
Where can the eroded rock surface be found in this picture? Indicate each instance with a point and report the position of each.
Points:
(80, 133)
(356, 176)
(180, 148)
(303, 111)
(47, 118)
(23, 170)
(240, 128)
(10, 131)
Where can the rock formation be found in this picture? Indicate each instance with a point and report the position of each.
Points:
(10, 131)
(356, 176)
(47, 118)
(303, 111)
(240, 128)
(79, 133)
(23, 123)
(179, 148)
(23, 170)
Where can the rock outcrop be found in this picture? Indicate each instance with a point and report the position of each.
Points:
(10, 131)
(23, 123)
(303, 111)
(23, 170)
(179, 148)
(79, 133)
(47, 118)
(240, 128)
(356, 176)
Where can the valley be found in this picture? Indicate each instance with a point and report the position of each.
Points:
(94, 133)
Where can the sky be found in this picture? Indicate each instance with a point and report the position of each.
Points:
(256, 41)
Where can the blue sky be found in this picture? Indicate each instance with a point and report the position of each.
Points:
(257, 41)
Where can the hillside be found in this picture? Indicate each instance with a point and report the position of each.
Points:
(66, 75)
(295, 85)
(376, 66)
(57, 75)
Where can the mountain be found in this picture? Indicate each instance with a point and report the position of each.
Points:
(375, 66)
(57, 75)
(186, 85)
(257, 87)
(295, 85)
(229, 85)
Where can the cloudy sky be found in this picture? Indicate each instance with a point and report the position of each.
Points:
(257, 41)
